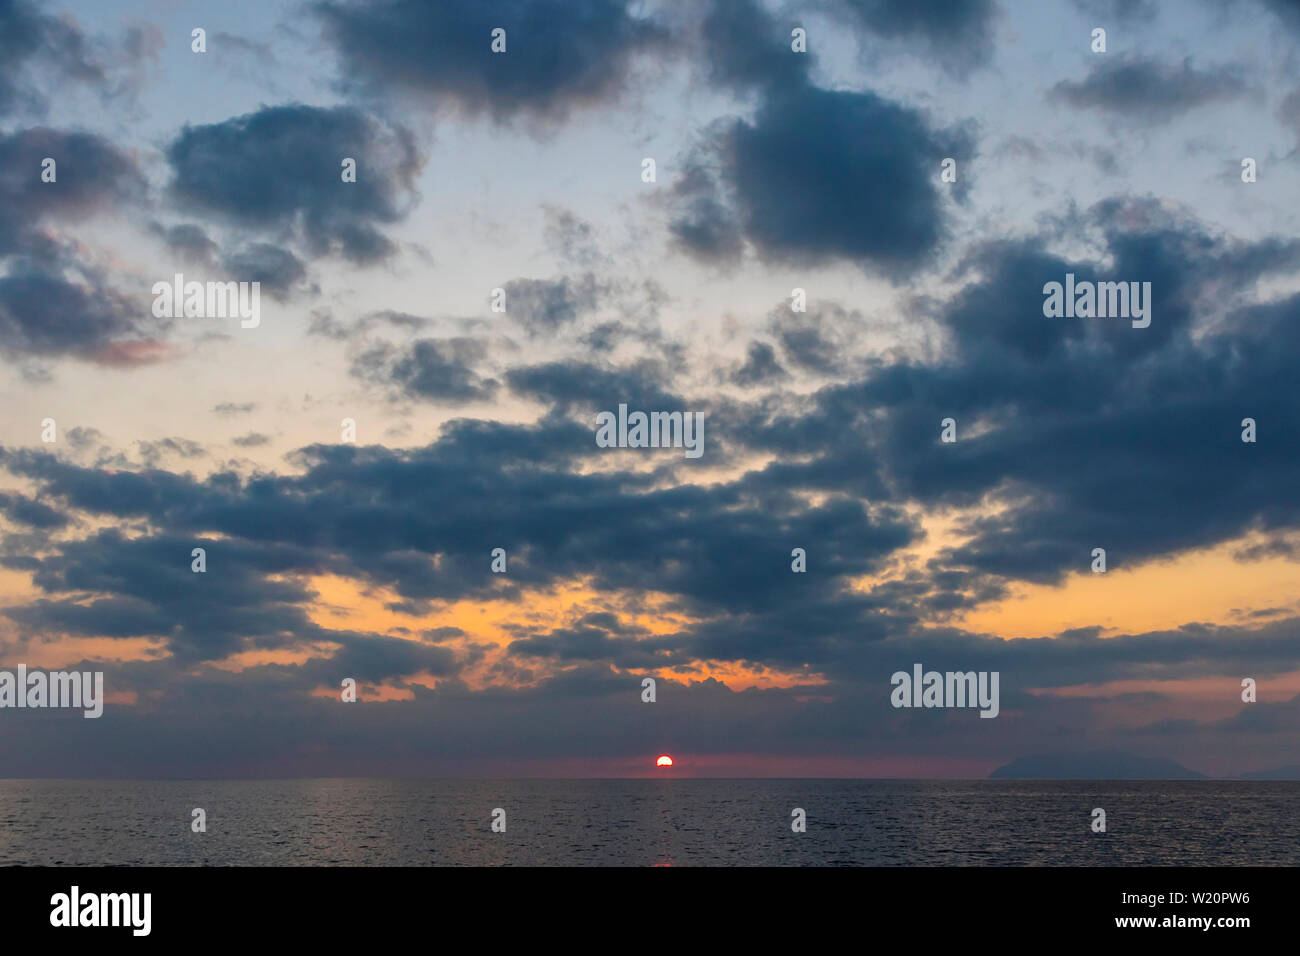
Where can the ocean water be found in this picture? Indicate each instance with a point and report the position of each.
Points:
(656, 822)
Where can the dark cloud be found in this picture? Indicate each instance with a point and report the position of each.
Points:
(81, 438)
(956, 34)
(815, 174)
(42, 314)
(377, 658)
(559, 53)
(152, 452)
(327, 326)
(594, 387)
(595, 637)
(1072, 433)
(190, 243)
(51, 302)
(1072, 411)
(93, 176)
(278, 270)
(819, 340)
(384, 516)
(815, 177)
(34, 514)
(1089, 462)
(1274, 548)
(147, 589)
(704, 224)
(439, 370)
(32, 40)
(543, 306)
(279, 170)
(744, 48)
(1147, 89)
(587, 703)
(760, 367)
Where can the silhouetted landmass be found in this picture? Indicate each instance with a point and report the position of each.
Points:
(1094, 765)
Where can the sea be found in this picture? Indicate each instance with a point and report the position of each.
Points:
(648, 822)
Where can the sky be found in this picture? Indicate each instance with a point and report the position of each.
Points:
(504, 268)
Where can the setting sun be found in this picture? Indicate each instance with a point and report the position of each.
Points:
(664, 761)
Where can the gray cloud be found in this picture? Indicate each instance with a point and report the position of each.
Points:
(280, 169)
(444, 50)
(439, 370)
(956, 34)
(1144, 88)
(812, 180)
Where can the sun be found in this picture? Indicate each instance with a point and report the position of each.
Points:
(664, 761)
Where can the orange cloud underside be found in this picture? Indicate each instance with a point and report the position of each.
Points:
(1208, 586)
(346, 603)
(1205, 586)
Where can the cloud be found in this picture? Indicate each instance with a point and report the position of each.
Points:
(45, 315)
(760, 367)
(1073, 434)
(595, 637)
(443, 51)
(233, 408)
(572, 237)
(543, 306)
(152, 452)
(593, 386)
(956, 34)
(280, 169)
(277, 269)
(819, 340)
(31, 39)
(93, 176)
(1146, 89)
(703, 224)
(438, 370)
(34, 514)
(814, 178)
(1071, 411)
(743, 48)
(146, 589)
(327, 326)
(51, 302)
(190, 243)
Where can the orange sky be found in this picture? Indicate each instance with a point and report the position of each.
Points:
(1205, 586)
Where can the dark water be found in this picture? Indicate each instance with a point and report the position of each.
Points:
(648, 822)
